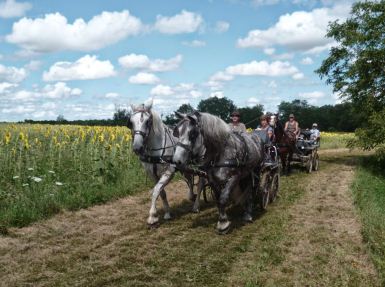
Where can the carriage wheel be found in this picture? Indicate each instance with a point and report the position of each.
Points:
(316, 162)
(263, 192)
(309, 165)
(274, 186)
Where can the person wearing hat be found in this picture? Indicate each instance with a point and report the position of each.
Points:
(315, 133)
(264, 125)
(292, 125)
(236, 125)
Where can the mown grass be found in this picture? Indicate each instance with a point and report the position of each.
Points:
(369, 194)
(45, 169)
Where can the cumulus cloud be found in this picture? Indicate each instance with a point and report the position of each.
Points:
(252, 101)
(6, 87)
(144, 78)
(194, 43)
(184, 22)
(12, 9)
(265, 2)
(111, 95)
(12, 74)
(312, 97)
(307, 61)
(85, 68)
(262, 68)
(143, 62)
(180, 91)
(53, 32)
(300, 30)
(33, 65)
(59, 90)
(222, 26)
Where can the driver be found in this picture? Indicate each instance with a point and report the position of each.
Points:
(236, 125)
(264, 125)
(315, 134)
(292, 125)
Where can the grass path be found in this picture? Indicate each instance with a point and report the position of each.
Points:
(309, 237)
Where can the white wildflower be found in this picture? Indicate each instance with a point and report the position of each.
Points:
(36, 179)
(59, 183)
(30, 168)
(51, 171)
(25, 184)
(16, 177)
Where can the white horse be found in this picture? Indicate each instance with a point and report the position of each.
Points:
(154, 143)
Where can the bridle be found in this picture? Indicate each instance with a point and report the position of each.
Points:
(148, 125)
(193, 135)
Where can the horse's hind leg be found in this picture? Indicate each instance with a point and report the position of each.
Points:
(248, 205)
(159, 187)
(163, 195)
(190, 183)
(201, 186)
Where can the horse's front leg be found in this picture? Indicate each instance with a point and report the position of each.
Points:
(248, 205)
(190, 183)
(159, 190)
(201, 186)
(223, 224)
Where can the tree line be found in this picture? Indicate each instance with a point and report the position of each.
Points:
(340, 117)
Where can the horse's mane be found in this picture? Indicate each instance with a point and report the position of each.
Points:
(215, 130)
(157, 123)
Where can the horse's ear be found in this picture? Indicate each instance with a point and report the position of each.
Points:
(197, 113)
(193, 119)
(180, 115)
(148, 104)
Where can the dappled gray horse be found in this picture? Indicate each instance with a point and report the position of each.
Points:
(228, 158)
(154, 143)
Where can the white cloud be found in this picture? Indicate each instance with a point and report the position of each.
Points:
(218, 94)
(161, 90)
(262, 68)
(272, 85)
(283, 56)
(298, 76)
(194, 43)
(251, 102)
(6, 87)
(111, 95)
(53, 32)
(307, 61)
(85, 68)
(59, 91)
(144, 78)
(33, 65)
(11, 8)
(184, 22)
(269, 51)
(265, 2)
(221, 76)
(143, 62)
(312, 97)
(299, 30)
(180, 91)
(12, 74)
(222, 26)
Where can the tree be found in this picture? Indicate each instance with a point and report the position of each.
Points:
(221, 107)
(120, 117)
(60, 119)
(355, 67)
(250, 115)
(184, 109)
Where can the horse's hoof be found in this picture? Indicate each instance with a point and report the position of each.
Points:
(167, 216)
(196, 210)
(153, 220)
(247, 218)
(223, 227)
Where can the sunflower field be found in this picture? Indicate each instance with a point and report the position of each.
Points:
(46, 168)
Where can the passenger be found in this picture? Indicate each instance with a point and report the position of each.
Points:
(236, 125)
(264, 125)
(292, 126)
(315, 134)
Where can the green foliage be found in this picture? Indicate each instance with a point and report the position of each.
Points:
(250, 115)
(184, 109)
(340, 117)
(368, 190)
(221, 107)
(355, 67)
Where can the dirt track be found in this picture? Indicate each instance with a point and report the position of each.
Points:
(309, 237)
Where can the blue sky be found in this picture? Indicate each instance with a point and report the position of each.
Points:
(82, 59)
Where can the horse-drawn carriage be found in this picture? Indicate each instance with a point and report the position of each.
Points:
(306, 152)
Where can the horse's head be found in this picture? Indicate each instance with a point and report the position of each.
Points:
(190, 145)
(273, 120)
(140, 123)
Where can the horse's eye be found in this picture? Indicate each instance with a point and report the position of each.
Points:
(175, 133)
